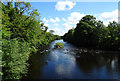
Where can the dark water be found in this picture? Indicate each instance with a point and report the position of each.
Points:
(62, 64)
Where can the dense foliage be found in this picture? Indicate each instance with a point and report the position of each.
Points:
(59, 45)
(22, 33)
(92, 33)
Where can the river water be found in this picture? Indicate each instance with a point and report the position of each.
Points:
(63, 64)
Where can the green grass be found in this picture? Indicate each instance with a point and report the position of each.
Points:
(59, 45)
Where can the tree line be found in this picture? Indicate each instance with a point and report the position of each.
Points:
(91, 33)
(22, 33)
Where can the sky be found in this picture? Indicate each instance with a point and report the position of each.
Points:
(61, 16)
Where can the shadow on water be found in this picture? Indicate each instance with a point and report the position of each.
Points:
(63, 64)
(36, 63)
(100, 66)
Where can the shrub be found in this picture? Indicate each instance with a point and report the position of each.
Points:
(59, 45)
(15, 55)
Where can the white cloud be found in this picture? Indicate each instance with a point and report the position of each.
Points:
(64, 19)
(54, 20)
(75, 17)
(72, 20)
(67, 26)
(44, 19)
(56, 24)
(58, 31)
(64, 5)
(107, 17)
(46, 24)
(57, 19)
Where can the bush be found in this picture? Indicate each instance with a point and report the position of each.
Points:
(59, 45)
(14, 58)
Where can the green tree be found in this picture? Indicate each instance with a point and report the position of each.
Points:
(52, 31)
(85, 32)
(69, 36)
(111, 38)
(22, 33)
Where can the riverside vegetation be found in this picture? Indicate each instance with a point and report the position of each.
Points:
(59, 45)
(22, 33)
(92, 33)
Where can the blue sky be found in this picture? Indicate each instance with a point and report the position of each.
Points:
(61, 16)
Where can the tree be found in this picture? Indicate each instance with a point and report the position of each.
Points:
(22, 33)
(92, 33)
(111, 38)
(85, 32)
(52, 31)
(43, 27)
(69, 36)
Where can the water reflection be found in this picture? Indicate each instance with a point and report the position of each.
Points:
(102, 65)
(63, 64)
(36, 63)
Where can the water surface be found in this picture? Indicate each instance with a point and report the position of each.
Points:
(63, 64)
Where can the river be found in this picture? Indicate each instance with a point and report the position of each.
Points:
(63, 64)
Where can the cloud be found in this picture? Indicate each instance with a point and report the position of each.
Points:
(64, 19)
(58, 31)
(46, 24)
(56, 24)
(57, 19)
(44, 19)
(54, 20)
(67, 26)
(75, 17)
(64, 5)
(72, 20)
(107, 17)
